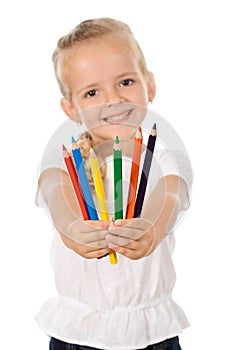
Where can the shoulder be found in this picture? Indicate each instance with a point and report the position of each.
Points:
(53, 155)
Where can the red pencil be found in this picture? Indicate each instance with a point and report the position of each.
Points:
(134, 174)
(75, 182)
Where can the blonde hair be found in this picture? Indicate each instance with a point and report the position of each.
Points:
(85, 143)
(89, 30)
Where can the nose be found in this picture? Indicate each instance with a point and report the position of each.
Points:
(113, 96)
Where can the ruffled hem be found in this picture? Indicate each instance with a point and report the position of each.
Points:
(118, 329)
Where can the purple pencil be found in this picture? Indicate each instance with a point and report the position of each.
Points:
(145, 172)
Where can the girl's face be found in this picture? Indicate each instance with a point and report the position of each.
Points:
(107, 88)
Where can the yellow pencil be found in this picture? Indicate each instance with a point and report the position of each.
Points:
(100, 194)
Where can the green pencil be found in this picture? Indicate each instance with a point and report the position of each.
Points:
(117, 162)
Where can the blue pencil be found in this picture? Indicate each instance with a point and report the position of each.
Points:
(84, 184)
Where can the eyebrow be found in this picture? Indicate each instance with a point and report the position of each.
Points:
(127, 73)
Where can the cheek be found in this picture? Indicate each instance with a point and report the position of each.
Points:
(140, 96)
(144, 94)
(91, 116)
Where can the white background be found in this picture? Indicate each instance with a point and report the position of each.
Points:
(188, 46)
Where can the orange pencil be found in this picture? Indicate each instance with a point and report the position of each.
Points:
(75, 182)
(134, 174)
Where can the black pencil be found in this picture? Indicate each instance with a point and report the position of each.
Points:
(145, 172)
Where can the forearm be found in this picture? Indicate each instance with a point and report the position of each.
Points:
(163, 207)
(137, 238)
(59, 198)
(86, 238)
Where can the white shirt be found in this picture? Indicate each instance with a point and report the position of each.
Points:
(124, 306)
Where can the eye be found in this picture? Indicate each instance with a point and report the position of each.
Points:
(126, 82)
(91, 93)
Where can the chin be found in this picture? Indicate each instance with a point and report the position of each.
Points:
(123, 131)
(110, 131)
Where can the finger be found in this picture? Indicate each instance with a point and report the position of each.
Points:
(135, 249)
(92, 253)
(132, 229)
(138, 223)
(92, 241)
(129, 253)
(93, 225)
(100, 253)
(126, 231)
(118, 240)
(86, 233)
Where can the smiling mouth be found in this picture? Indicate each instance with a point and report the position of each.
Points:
(118, 118)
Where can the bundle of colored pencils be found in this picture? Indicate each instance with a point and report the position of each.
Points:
(136, 194)
(81, 186)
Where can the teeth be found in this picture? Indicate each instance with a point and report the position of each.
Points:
(116, 118)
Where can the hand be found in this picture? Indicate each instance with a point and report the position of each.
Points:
(87, 238)
(133, 238)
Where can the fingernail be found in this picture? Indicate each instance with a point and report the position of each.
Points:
(118, 222)
(111, 229)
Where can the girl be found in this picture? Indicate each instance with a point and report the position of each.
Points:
(105, 83)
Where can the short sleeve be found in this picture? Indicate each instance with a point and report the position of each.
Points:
(53, 154)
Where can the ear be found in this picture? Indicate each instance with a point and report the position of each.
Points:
(69, 110)
(151, 87)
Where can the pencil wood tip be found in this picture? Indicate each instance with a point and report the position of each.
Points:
(117, 144)
(154, 130)
(92, 153)
(65, 152)
(139, 133)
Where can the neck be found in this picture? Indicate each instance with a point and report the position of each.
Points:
(105, 148)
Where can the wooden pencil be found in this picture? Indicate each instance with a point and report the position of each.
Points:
(75, 182)
(145, 172)
(99, 188)
(84, 183)
(100, 194)
(118, 191)
(134, 174)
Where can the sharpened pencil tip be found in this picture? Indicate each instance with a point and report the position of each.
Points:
(73, 139)
(92, 153)
(154, 126)
(117, 140)
(138, 134)
(65, 152)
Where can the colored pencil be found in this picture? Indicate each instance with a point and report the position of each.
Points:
(117, 164)
(100, 194)
(84, 183)
(134, 174)
(145, 172)
(99, 188)
(75, 182)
